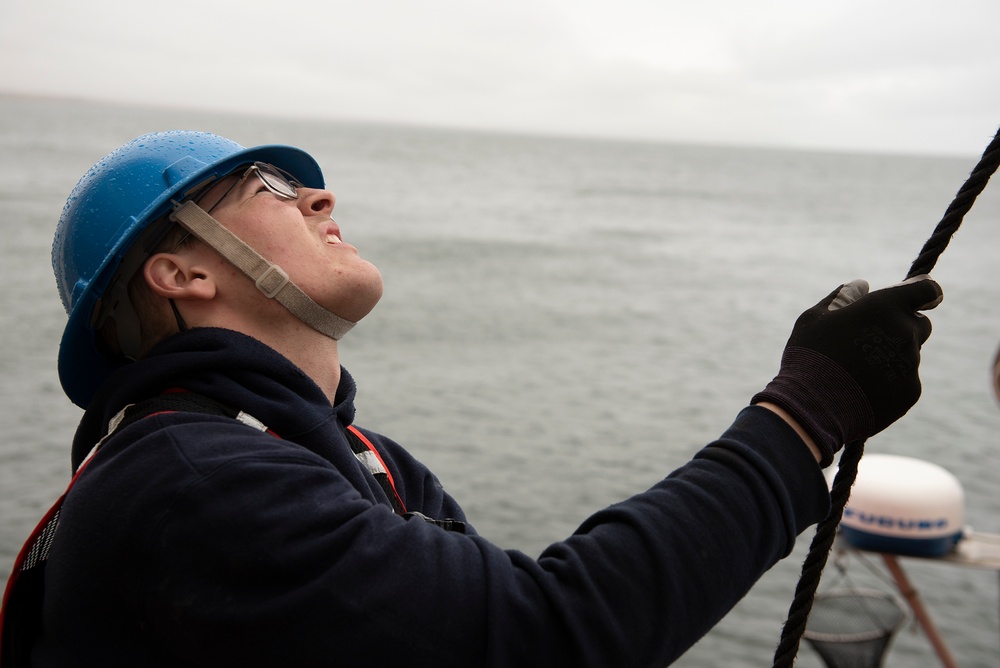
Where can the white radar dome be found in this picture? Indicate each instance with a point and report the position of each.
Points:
(903, 505)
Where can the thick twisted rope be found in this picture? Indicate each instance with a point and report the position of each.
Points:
(847, 473)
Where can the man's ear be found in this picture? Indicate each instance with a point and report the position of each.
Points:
(178, 276)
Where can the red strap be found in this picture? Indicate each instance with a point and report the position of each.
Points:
(392, 483)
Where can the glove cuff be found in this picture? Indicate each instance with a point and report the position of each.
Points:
(823, 399)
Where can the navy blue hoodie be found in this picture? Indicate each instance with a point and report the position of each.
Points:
(195, 540)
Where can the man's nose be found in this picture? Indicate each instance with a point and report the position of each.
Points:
(314, 201)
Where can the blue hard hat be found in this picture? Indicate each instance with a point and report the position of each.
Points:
(107, 211)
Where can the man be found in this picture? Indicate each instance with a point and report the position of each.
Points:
(228, 511)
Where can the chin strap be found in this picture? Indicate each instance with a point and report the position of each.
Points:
(269, 278)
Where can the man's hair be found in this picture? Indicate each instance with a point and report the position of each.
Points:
(155, 321)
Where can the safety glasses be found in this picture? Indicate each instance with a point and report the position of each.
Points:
(275, 179)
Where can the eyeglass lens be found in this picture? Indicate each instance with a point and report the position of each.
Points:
(275, 181)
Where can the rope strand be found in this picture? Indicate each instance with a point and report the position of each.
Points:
(956, 211)
(819, 552)
(826, 531)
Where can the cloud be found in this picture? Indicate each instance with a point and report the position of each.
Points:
(852, 75)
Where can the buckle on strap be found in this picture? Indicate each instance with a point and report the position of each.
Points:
(272, 281)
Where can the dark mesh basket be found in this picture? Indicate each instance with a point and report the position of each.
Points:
(852, 628)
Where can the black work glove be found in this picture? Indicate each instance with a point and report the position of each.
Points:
(849, 369)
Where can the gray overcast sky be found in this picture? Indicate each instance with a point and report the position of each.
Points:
(871, 75)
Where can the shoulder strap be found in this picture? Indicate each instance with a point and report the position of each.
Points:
(174, 401)
(170, 402)
(370, 458)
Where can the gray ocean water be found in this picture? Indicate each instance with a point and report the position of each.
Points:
(566, 321)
